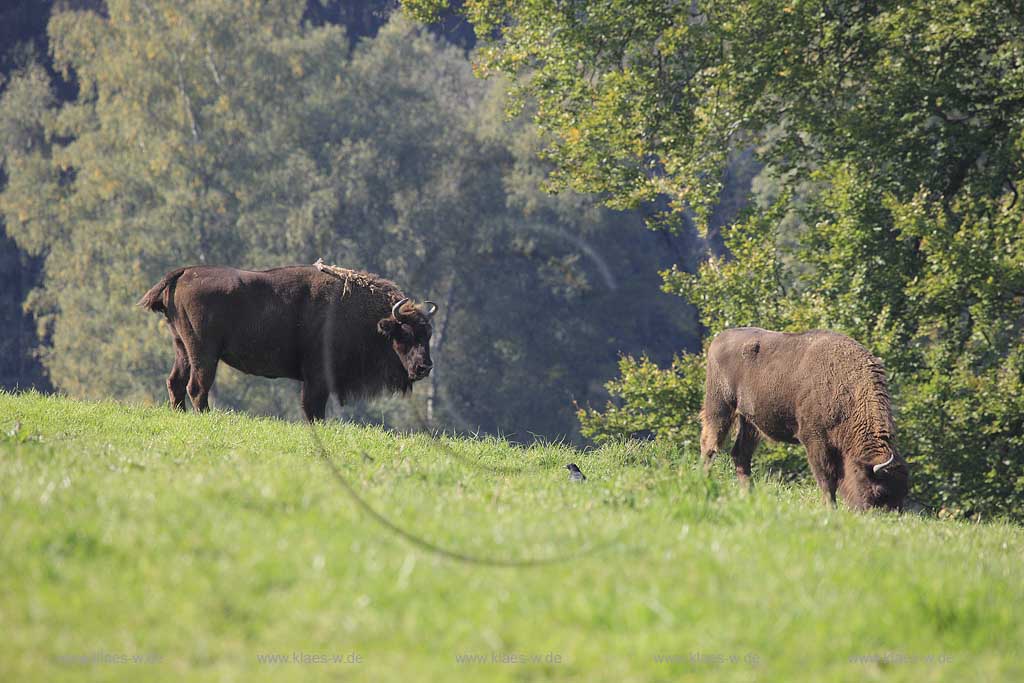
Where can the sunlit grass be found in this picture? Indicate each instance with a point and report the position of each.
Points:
(212, 540)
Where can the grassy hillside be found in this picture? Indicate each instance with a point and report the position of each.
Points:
(211, 543)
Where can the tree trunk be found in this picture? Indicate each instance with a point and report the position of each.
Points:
(436, 345)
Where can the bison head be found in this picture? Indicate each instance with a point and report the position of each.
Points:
(883, 485)
(408, 331)
(892, 482)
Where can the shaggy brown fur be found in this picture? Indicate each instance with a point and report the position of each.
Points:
(330, 328)
(819, 388)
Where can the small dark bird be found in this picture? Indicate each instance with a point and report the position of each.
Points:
(574, 472)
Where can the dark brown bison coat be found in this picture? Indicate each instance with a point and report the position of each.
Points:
(333, 331)
(820, 389)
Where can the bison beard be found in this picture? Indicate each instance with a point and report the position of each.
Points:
(820, 389)
(333, 329)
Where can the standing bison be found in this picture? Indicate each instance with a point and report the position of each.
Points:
(333, 329)
(818, 388)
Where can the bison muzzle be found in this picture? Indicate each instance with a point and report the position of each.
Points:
(818, 388)
(335, 330)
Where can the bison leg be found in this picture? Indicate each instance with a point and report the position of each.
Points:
(747, 438)
(199, 384)
(314, 398)
(177, 381)
(716, 418)
(818, 457)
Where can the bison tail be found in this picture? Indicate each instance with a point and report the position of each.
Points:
(158, 298)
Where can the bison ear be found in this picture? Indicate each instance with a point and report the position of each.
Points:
(387, 326)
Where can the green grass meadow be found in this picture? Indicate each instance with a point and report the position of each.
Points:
(207, 545)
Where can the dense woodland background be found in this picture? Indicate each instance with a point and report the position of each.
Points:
(855, 166)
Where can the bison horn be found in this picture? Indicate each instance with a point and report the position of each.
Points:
(882, 466)
(394, 309)
(431, 308)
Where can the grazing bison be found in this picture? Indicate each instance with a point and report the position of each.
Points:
(333, 329)
(818, 388)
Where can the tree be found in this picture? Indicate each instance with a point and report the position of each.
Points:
(891, 135)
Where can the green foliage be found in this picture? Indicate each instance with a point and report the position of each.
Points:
(210, 539)
(745, 289)
(653, 401)
(891, 136)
